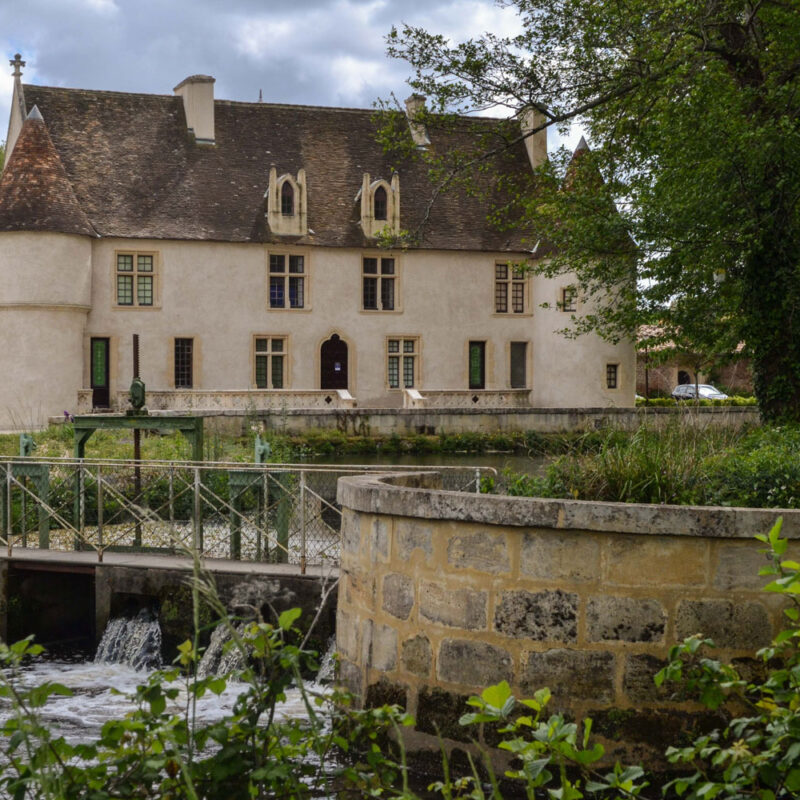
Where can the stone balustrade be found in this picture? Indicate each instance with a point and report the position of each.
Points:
(443, 593)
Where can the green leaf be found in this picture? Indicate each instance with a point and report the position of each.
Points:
(288, 618)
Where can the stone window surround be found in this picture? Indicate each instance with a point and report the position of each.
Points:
(295, 224)
(400, 354)
(156, 275)
(396, 277)
(254, 353)
(372, 227)
(306, 275)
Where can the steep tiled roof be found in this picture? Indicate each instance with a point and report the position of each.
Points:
(35, 193)
(137, 173)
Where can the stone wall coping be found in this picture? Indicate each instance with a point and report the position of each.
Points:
(417, 495)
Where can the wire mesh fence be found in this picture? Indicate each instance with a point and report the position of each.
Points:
(281, 513)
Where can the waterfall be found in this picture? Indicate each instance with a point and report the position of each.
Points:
(133, 641)
(217, 659)
(327, 663)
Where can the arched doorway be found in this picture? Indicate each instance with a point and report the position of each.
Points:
(333, 364)
(684, 377)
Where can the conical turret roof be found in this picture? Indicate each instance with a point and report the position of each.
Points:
(35, 193)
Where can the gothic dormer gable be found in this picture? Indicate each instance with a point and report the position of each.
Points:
(287, 203)
(380, 206)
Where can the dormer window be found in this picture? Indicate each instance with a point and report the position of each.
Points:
(380, 206)
(287, 203)
(287, 199)
(379, 202)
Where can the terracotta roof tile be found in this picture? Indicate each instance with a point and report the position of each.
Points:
(35, 192)
(137, 173)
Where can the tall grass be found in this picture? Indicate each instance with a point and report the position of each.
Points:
(679, 464)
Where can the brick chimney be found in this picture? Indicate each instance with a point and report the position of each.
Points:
(197, 92)
(414, 105)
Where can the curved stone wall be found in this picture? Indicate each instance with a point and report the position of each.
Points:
(443, 593)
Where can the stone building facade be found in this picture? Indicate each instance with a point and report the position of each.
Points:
(269, 256)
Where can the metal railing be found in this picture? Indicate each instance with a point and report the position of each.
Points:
(281, 513)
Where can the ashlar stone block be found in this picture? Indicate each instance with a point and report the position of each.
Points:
(640, 560)
(737, 568)
(734, 625)
(398, 595)
(472, 663)
(543, 616)
(638, 680)
(417, 656)
(347, 634)
(482, 550)
(560, 556)
(410, 536)
(379, 646)
(379, 539)
(570, 674)
(458, 608)
(625, 619)
(351, 533)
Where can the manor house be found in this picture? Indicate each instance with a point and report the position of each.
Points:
(270, 256)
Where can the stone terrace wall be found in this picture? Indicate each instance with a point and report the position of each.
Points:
(443, 593)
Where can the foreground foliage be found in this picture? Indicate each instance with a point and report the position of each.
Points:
(161, 750)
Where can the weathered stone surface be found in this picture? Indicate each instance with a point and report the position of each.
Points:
(438, 713)
(351, 532)
(625, 619)
(417, 656)
(398, 595)
(560, 556)
(411, 536)
(639, 560)
(359, 588)
(637, 681)
(482, 550)
(378, 646)
(737, 568)
(379, 539)
(740, 626)
(544, 616)
(458, 608)
(347, 635)
(349, 677)
(473, 663)
(386, 693)
(570, 674)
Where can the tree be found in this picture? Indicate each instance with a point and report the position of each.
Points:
(693, 111)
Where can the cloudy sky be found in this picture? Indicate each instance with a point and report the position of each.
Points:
(321, 52)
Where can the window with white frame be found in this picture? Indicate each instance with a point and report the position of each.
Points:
(270, 362)
(378, 283)
(136, 279)
(402, 362)
(287, 280)
(509, 289)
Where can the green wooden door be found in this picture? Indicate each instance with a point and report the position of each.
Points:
(100, 372)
